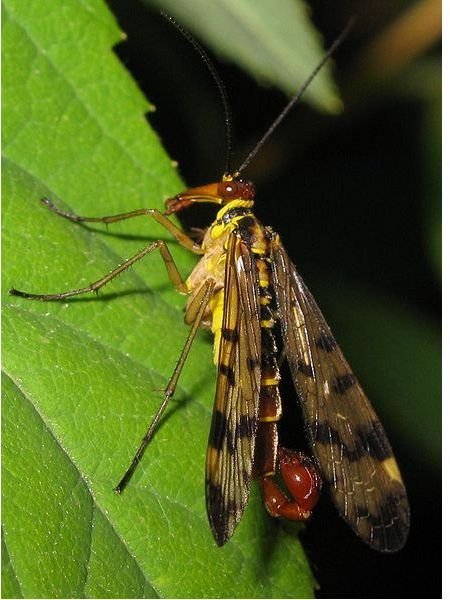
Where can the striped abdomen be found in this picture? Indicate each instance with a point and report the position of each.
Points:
(266, 448)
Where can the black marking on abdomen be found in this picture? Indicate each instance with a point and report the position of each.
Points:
(268, 344)
(269, 364)
(265, 293)
(266, 313)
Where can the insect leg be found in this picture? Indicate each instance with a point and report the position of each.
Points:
(94, 287)
(201, 301)
(182, 238)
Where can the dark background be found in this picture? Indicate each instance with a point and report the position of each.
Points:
(350, 196)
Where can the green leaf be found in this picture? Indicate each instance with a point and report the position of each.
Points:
(275, 42)
(82, 378)
(10, 585)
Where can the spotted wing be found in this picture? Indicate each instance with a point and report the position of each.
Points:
(346, 436)
(235, 417)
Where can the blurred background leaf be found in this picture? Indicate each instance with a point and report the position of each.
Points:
(274, 42)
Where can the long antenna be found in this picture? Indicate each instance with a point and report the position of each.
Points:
(219, 83)
(337, 42)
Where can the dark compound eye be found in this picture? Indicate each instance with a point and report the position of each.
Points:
(229, 189)
(236, 188)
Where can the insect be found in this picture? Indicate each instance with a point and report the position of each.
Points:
(247, 291)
